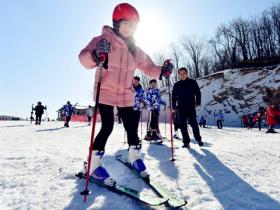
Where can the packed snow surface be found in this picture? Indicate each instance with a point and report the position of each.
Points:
(237, 169)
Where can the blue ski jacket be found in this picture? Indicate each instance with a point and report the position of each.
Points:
(139, 98)
(68, 109)
(153, 99)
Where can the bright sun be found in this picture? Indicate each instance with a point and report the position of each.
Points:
(151, 34)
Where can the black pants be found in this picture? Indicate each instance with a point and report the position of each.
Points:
(154, 120)
(259, 124)
(89, 118)
(190, 115)
(38, 119)
(136, 118)
(220, 124)
(68, 118)
(175, 118)
(107, 124)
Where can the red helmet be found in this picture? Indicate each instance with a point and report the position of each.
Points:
(125, 11)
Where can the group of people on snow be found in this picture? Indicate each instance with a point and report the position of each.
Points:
(122, 56)
(270, 115)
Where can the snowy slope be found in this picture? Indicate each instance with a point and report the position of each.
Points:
(238, 169)
(236, 92)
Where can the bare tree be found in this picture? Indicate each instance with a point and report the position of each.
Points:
(275, 16)
(195, 47)
(176, 56)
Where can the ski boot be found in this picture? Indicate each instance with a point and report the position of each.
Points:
(156, 136)
(186, 145)
(134, 158)
(200, 143)
(270, 130)
(97, 171)
(148, 136)
(176, 135)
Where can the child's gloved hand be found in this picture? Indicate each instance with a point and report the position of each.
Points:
(166, 69)
(102, 47)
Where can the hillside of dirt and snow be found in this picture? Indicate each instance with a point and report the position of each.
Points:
(234, 91)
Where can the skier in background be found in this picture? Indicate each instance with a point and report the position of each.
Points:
(245, 121)
(67, 111)
(202, 121)
(153, 101)
(118, 44)
(89, 114)
(220, 119)
(39, 111)
(186, 97)
(272, 117)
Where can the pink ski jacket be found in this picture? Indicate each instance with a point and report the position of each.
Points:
(116, 85)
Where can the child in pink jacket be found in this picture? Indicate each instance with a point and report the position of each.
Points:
(122, 59)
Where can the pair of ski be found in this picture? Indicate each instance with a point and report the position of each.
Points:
(166, 196)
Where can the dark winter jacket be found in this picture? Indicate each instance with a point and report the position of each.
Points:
(68, 109)
(186, 94)
(39, 110)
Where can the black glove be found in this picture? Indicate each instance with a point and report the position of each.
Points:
(166, 69)
(102, 47)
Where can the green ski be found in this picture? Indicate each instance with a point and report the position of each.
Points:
(120, 189)
(173, 200)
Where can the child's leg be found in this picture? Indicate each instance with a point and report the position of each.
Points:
(107, 120)
(130, 126)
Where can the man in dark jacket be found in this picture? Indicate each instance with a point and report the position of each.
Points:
(39, 111)
(185, 97)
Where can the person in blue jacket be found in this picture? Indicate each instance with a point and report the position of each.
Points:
(139, 100)
(67, 111)
(220, 119)
(153, 101)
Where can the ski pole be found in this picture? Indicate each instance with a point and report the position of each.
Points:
(124, 136)
(31, 117)
(171, 129)
(148, 122)
(47, 115)
(165, 124)
(141, 123)
(102, 60)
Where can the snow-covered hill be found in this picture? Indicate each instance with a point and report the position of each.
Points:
(238, 169)
(236, 92)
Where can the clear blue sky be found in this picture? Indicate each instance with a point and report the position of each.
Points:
(41, 40)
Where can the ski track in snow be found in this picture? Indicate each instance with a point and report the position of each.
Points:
(238, 169)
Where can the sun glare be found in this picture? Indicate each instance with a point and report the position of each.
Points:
(152, 34)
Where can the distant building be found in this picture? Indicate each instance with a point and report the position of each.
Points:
(5, 117)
